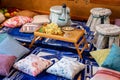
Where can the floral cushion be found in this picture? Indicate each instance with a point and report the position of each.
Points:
(16, 21)
(6, 63)
(32, 65)
(106, 74)
(66, 67)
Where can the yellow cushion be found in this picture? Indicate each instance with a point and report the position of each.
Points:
(100, 55)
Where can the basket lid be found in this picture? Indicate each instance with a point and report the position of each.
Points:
(58, 9)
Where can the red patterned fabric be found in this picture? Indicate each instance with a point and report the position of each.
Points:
(32, 64)
(17, 21)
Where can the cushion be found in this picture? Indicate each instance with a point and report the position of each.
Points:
(27, 13)
(106, 74)
(100, 55)
(11, 46)
(2, 17)
(16, 21)
(40, 19)
(2, 36)
(6, 63)
(113, 59)
(29, 27)
(66, 67)
(117, 22)
(32, 64)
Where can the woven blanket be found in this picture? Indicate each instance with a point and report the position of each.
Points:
(55, 55)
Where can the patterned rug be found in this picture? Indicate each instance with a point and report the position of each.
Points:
(59, 52)
(55, 55)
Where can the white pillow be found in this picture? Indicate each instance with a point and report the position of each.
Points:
(40, 19)
(29, 27)
(66, 67)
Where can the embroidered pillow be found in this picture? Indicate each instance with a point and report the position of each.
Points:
(29, 27)
(16, 21)
(106, 74)
(32, 65)
(66, 67)
(11, 46)
(113, 59)
(100, 55)
(6, 63)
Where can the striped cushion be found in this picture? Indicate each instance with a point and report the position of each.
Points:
(106, 74)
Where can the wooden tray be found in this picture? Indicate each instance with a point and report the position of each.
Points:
(74, 35)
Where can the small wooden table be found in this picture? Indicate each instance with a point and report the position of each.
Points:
(74, 37)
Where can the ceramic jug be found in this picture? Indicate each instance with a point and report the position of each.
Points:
(60, 15)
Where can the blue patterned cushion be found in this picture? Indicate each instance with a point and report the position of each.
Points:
(66, 67)
(11, 46)
(113, 59)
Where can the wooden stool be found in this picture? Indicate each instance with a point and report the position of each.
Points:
(107, 34)
(98, 16)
